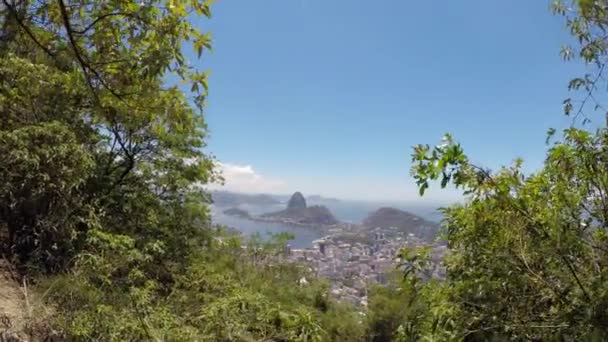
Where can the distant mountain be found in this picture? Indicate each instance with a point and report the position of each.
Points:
(296, 202)
(404, 221)
(233, 199)
(237, 212)
(298, 212)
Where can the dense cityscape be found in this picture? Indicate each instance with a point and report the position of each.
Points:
(352, 257)
(353, 266)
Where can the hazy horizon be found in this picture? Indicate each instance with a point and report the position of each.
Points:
(419, 201)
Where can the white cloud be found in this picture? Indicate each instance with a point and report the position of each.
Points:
(243, 178)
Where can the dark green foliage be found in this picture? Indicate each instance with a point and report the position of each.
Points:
(527, 259)
(101, 202)
(40, 207)
(102, 168)
(224, 293)
(91, 139)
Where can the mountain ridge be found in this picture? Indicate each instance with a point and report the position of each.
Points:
(386, 217)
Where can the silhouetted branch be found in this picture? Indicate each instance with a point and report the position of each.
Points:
(100, 18)
(86, 68)
(27, 30)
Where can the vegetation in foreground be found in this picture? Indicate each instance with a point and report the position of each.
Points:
(102, 208)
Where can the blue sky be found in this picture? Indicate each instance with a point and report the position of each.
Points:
(328, 96)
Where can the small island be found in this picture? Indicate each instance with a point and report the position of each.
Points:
(237, 212)
(297, 212)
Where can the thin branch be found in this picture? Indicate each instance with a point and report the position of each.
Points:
(589, 95)
(573, 272)
(66, 23)
(522, 257)
(27, 29)
(114, 61)
(100, 18)
(86, 68)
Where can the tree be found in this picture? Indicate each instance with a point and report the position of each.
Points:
(587, 20)
(92, 76)
(527, 254)
(102, 162)
(102, 168)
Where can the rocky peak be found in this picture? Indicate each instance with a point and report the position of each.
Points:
(297, 201)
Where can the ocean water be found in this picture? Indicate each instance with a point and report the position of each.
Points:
(346, 211)
(303, 236)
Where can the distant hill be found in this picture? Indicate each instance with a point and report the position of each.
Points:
(404, 221)
(233, 199)
(237, 212)
(298, 212)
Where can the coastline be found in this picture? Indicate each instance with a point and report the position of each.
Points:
(321, 227)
